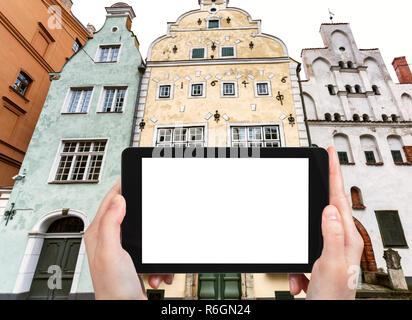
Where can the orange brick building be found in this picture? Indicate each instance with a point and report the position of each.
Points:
(38, 37)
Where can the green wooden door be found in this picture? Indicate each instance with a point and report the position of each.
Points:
(55, 252)
(226, 286)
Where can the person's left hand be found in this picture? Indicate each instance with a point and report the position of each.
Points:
(111, 267)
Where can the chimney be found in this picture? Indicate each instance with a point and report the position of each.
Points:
(91, 28)
(402, 70)
(121, 9)
(68, 4)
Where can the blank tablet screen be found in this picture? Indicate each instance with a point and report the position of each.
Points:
(225, 211)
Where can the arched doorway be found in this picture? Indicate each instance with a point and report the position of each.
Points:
(368, 262)
(58, 258)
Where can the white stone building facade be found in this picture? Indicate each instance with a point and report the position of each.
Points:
(353, 104)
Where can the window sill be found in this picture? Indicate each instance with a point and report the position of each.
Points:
(403, 164)
(114, 112)
(19, 94)
(348, 164)
(377, 164)
(72, 113)
(74, 182)
(358, 207)
(105, 62)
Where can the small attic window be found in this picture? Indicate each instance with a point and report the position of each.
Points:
(115, 29)
(213, 9)
(213, 24)
(342, 49)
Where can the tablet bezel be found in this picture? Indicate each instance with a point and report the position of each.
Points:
(132, 223)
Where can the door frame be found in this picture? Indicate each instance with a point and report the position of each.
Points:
(35, 244)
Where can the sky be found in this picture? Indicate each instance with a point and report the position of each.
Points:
(385, 25)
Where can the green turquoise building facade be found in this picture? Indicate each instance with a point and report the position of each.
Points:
(73, 159)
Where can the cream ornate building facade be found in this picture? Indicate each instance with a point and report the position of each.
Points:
(216, 80)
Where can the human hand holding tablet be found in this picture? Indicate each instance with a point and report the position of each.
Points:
(115, 277)
(224, 210)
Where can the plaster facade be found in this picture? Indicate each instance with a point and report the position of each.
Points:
(254, 58)
(39, 38)
(352, 103)
(40, 198)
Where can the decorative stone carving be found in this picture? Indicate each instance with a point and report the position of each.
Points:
(393, 259)
(396, 276)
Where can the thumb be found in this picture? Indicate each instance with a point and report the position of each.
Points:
(333, 235)
(110, 224)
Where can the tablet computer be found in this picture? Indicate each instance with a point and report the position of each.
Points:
(224, 210)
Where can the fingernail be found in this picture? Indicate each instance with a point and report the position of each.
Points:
(156, 282)
(292, 284)
(115, 203)
(332, 214)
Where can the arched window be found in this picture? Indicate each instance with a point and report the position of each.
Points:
(356, 117)
(342, 64)
(328, 117)
(348, 88)
(66, 225)
(376, 90)
(350, 64)
(394, 118)
(331, 89)
(357, 201)
(358, 89)
(396, 146)
(337, 117)
(385, 118)
(343, 149)
(365, 118)
(370, 149)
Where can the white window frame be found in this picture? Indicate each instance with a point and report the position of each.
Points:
(222, 89)
(172, 89)
(213, 19)
(203, 93)
(97, 57)
(100, 105)
(182, 126)
(55, 167)
(204, 56)
(227, 57)
(65, 107)
(257, 124)
(257, 95)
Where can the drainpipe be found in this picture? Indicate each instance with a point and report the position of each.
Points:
(298, 70)
(142, 69)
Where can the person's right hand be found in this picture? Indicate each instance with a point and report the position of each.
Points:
(335, 274)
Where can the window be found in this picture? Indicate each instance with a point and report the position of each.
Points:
(365, 118)
(391, 229)
(180, 137)
(229, 89)
(396, 147)
(331, 89)
(22, 83)
(262, 88)
(343, 148)
(370, 157)
(385, 118)
(337, 117)
(342, 64)
(165, 91)
(113, 100)
(343, 157)
(358, 89)
(109, 54)
(80, 161)
(79, 100)
(213, 24)
(198, 53)
(357, 201)
(328, 117)
(348, 89)
(375, 89)
(394, 118)
(356, 118)
(77, 45)
(267, 136)
(197, 90)
(227, 52)
(350, 64)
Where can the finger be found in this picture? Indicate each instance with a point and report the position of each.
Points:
(106, 202)
(110, 226)
(168, 279)
(297, 283)
(155, 281)
(333, 236)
